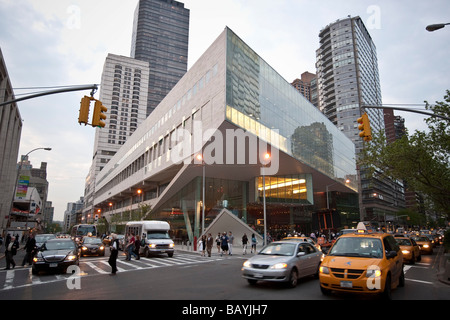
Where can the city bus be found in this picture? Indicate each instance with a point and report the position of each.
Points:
(81, 230)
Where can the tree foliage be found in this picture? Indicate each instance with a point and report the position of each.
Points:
(422, 159)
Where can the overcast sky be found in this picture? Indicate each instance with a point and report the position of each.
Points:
(65, 42)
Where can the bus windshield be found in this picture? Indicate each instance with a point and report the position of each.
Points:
(85, 230)
(157, 234)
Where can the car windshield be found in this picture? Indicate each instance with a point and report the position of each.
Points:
(92, 241)
(157, 235)
(403, 242)
(279, 249)
(59, 245)
(357, 247)
(44, 237)
(421, 239)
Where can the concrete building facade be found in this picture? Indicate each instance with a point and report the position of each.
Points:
(10, 132)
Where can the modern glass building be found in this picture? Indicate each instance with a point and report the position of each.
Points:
(160, 37)
(232, 108)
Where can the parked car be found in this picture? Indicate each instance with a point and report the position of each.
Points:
(56, 255)
(283, 261)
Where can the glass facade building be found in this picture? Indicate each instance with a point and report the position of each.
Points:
(160, 37)
(232, 89)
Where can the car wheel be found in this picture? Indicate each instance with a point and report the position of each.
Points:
(413, 259)
(401, 280)
(386, 295)
(252, 281)
(325, 292)
(293, 278)
(170, 255)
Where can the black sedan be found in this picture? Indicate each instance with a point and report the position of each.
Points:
(92, 247)
(56, 255)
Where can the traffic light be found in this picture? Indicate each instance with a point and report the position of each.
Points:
(99, 115)
(83, 117)
(364, 127)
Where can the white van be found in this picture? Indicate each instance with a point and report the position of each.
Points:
(154, 236)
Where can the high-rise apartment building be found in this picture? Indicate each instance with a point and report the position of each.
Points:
(160, 37)
(307, 86)
(347, 80)
(124, 89)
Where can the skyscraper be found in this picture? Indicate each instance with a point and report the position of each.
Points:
(160, 37)
(124, 88)
(348, 79)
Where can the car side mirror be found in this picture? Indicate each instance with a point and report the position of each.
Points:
(391, 254)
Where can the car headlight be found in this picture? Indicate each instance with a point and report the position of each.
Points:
(279, 266)
(406, 252)
(102, 248)
(247, 264)
(172, 245)
(324, 270)
(84, 248)
(70, 257)
(38, 259)
(426, 246)
(152, 245)
(373, 273)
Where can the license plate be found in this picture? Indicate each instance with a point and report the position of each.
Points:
(346, 284)
(258, 275)
(53, 265)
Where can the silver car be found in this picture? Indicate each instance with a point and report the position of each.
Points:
(283, 261)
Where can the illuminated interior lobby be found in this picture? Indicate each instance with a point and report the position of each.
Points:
(234, 108)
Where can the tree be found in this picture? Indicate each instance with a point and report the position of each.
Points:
(422, 159)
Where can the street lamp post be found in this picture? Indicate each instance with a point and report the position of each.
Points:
(267, 159)
(437, 26)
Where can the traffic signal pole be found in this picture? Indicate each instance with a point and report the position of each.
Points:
(92, 87)
(407, 110)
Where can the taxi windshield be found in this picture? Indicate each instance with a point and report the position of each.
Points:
(357, 247)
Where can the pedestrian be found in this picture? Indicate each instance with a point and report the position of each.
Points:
(137, 247)
(230, 243)
(130, 248)
(114, 247)
(218, 242)
(30, 247)
(10, 252)
(203, 245)
(224, 244)
(209, 244)
(254, 242)
(244, 243)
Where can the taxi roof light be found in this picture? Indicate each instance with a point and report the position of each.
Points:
(361, 227)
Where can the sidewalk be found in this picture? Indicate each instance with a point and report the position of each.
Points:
(443, 266)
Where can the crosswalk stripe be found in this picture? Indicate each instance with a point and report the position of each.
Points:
(93, 266)
(9, 279)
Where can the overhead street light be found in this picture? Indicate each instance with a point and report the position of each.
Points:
(437, 26)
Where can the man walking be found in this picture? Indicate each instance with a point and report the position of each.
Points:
(30, 247)
(209, 244)
(230, 243)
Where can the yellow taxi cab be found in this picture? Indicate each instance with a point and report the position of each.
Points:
(363, 262)
(410, 249)
(424, 243)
